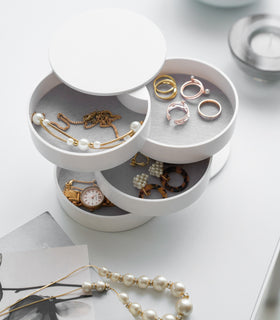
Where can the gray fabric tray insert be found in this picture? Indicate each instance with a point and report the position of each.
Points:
(196, 130)
(121, 177)
(75, 105)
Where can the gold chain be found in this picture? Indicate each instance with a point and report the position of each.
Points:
(104, 118)
(2, 312)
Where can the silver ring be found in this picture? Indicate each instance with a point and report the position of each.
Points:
(206, 116)
(178, 105)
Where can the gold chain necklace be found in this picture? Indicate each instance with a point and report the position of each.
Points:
(104, 118)
(84, 144)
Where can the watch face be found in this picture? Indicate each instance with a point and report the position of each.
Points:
(91, 197)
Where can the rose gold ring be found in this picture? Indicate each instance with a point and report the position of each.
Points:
(194, 82)
(206, 116)
(178, 105)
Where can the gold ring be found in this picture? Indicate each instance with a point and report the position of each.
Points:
(165, 79)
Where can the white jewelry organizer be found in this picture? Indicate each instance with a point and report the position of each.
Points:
(114, 72)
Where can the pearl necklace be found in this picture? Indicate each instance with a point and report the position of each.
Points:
(83, 144)
(183, 306)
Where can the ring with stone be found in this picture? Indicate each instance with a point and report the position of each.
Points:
(193, 82)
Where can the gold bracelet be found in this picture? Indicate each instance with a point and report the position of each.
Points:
(83, 144)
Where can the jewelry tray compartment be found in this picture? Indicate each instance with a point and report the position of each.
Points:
(117, 185)
(197, 139)
(108, 219)
(51, 97)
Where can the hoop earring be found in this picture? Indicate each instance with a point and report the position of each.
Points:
(193, 82)
(146, 191)
(178, 105)
(140, 182)
(164, 178)
(209, 117)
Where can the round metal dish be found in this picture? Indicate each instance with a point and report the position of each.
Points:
(261, 61)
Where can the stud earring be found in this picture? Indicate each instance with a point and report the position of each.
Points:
(156, 169)
(140, 180)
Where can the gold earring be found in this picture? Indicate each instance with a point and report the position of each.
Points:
(134, 163)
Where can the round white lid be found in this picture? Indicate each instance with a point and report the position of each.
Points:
(107, 52)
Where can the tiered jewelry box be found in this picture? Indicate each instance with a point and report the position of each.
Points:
(107, 59)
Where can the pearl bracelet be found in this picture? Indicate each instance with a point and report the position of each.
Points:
(84, 144)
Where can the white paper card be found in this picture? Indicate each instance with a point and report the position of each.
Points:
(22, 270)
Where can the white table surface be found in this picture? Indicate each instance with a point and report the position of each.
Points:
(221, 246)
